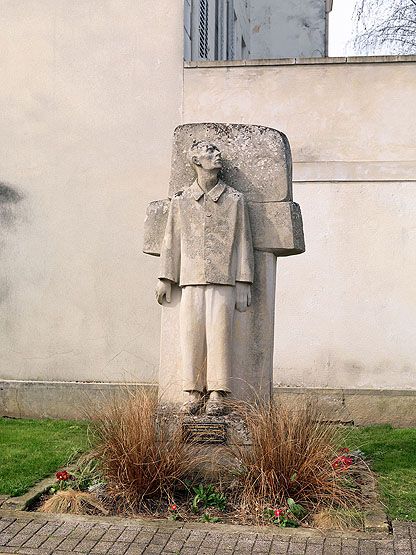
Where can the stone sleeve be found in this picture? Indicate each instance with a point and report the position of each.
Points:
(244, 245)
(170, 254)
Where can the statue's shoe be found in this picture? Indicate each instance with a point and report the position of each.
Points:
(191, 407)
(215, 408)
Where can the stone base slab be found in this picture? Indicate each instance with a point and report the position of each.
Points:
(72, 400)
(361, 407)
(69, 400)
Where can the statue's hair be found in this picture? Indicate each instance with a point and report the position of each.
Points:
(196, 147)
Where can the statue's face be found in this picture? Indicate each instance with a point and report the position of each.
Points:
(208, 157)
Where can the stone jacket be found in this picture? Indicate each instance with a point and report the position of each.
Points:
(207, 238)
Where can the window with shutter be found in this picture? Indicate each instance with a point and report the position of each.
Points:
(203, 29)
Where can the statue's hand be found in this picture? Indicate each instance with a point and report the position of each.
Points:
(163, 289)
(243, 296)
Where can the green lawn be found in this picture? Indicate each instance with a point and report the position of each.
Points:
(33, 449)
(392, 453)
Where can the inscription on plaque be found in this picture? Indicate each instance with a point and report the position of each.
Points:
(204, 432)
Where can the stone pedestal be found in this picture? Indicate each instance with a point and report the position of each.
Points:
(218, 439)
(202, 429)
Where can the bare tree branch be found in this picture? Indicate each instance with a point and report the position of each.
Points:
(385, 26)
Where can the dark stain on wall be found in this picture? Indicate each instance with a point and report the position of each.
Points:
(9, 193)
(12, 216)
(10, 197)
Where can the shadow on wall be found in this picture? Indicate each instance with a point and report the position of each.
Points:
(10, 197)
(10, 215)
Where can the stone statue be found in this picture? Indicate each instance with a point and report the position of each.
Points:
(207, 250)
(218, 237)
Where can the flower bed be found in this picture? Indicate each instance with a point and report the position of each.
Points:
(288, 476)
(83, 492)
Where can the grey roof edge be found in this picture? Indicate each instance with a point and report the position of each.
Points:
(301, 61)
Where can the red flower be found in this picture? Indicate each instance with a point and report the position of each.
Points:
(278, 512)
(62, 476)
(344, 450)
(342, 463)
(173, 507)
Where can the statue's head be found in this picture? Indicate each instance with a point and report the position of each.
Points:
(205, 155)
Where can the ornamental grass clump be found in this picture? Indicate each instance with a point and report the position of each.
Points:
(73, 502)
(143, 459)
(291, 458)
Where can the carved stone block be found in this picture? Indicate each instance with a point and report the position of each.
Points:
(256, 159)
(276, 227)
(154, 226)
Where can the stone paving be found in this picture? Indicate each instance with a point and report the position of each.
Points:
(40, 534)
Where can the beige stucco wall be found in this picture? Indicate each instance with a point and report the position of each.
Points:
(90, 93)
(345, 310)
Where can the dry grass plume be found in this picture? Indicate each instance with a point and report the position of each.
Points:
(73, 502)
(290, 456)
(141, 456)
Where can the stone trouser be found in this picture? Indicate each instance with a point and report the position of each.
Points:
(206, 330)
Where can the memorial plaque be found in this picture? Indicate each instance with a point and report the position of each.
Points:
(204, 432)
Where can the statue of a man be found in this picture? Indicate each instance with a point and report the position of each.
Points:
(207, 250)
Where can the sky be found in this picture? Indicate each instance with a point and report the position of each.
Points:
(341, 28)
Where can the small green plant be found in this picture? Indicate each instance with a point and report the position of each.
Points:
(280, 517)
(287, 517)
(173, 512)
(297, 510)
(83, 478)
(206, 496)
(206, 517)
(87, 474)
(64, 480)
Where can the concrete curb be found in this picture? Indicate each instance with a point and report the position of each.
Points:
(375, 518)
(49, 399)
(23, 502)
(163, 524)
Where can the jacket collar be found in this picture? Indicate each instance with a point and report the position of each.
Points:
(214, 193)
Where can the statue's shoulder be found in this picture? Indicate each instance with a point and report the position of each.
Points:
(233, 192)
(178, 195)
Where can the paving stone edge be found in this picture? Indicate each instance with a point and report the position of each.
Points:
(375, 518)
(26, 500)
(192, 525)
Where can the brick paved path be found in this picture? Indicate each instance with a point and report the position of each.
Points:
(40, 534)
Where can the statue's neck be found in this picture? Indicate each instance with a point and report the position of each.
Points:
(207, 179)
